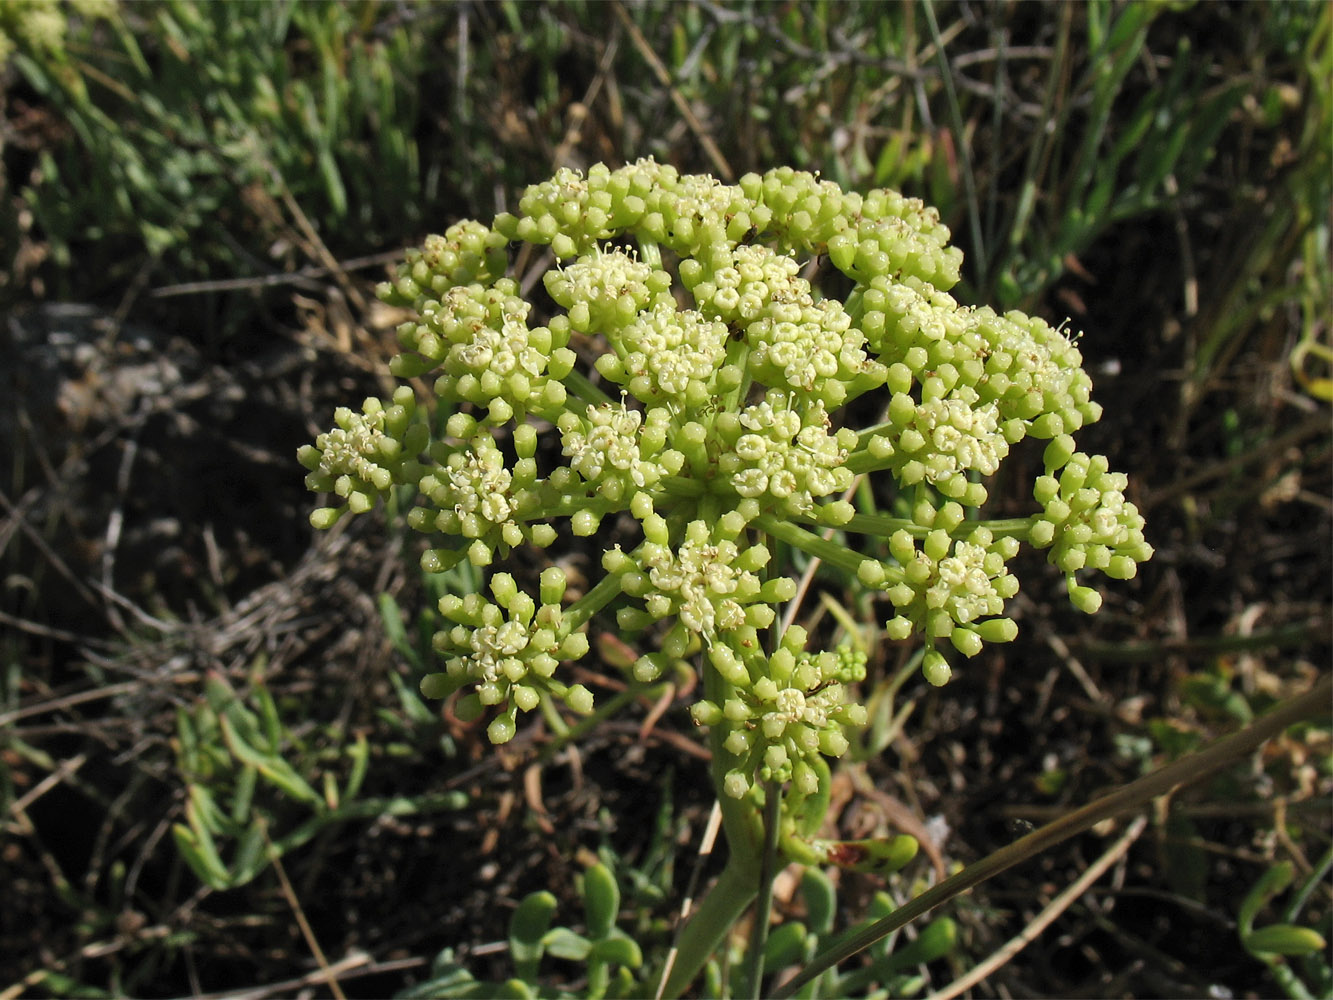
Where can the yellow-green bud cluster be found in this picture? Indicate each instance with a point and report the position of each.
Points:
(784, 710)
(606, 290)
(670, 356)
(1085, 520)
(708, 583)
(780, 452)
(479, 339)
(951, 584)
(1018, 375)
(880, 233)
(510, 650)
(475, 494)
(794, 340)
(468, 253)
(689, 371)
(941, 440)
(364, 455)
(614, 452)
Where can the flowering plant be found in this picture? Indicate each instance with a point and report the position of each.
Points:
(722, 364)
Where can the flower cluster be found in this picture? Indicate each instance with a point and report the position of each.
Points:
(689, 376)
(942, 439)
(950, 584)
(612, 451)
(780, 451)
(509, 650)
(363, 455)
(475, 494)
(667, 355)
(783, 710)
(606, 289)
(1085, 520)
(708, 583)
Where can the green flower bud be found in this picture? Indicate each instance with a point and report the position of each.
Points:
(795, 709)
(966, 641)
(579, 699)
(935, 668)
(735, 784)
(502, 728)
(706, 713)
(469, 708)
(1085, 599)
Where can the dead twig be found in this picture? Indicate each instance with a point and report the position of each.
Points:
(327, 972)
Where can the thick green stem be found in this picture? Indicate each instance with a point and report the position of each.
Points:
(863, 463)
(764, 905)
(650, 253)
(574, 503)
(717, 914)
(1018, 527)
(606, 591)
(807, 541)
(681, 487)
(583, 390)
(883, 526)
(738, 884)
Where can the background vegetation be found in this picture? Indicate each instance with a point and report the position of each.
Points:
(215, 775)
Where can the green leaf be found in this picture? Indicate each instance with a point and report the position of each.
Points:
(1134, 17)
(1131, 134)
(821, 900)
(413, 707)
(1284, 939)
(272, 767)
(391, 615)
(274, 730)
(787, 944)
(202, 811)
(200, 853)
(880, 855)
(1165, 160)
(218, 693)
(936, 940)
(601, 901)
(527, 928)
(250, 858)
(1273, 882)
(561, 942)
(448, 978)
(242, 795)
(618, 949)
(890, 164)
(360, 754)
(187, 751)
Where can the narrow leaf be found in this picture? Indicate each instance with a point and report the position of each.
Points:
(601, 901)
(527, 928)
